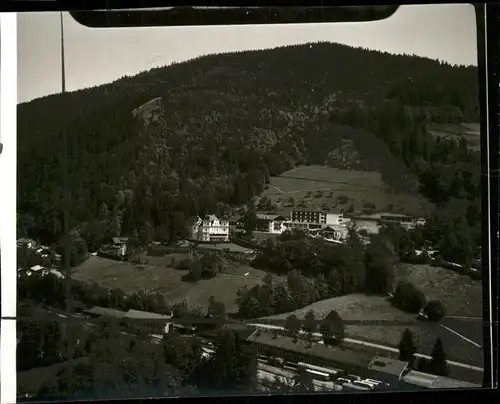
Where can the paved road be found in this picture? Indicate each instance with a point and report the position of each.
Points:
(470, 329)
(372, 345)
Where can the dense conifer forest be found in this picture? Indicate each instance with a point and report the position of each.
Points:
(229, 122)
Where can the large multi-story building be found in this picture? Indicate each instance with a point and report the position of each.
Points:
(210, 229)
(308, 219)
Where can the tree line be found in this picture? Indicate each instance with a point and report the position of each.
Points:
(436, 365)
(316, 270)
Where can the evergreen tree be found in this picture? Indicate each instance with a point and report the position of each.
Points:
(310, 325)
(292, 326)
(439, 365)
(233, 368)
(303, 381)
(407, 348)
(332, 328)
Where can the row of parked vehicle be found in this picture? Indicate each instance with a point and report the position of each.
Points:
(337, 376)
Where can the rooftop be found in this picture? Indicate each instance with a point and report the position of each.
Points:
(225, 246)
(132, 314)
(24, 240)
(435, 382)
(387, 365)
(334, 354)
(138, 314)
(57, 273)
(103, 311)
(265, 216)
(335, 211)
(119, 240)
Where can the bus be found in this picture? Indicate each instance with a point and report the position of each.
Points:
(318, 375)
(355, 387)
(373, 381)
(333, 373)
(361, 383)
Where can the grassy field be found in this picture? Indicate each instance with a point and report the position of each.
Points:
(328, 188)
(462, 297)
(469, 131)
(160, 276)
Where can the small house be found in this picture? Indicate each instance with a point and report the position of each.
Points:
(37, 268)
(271, 223)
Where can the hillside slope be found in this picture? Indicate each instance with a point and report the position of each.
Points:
(228, 122)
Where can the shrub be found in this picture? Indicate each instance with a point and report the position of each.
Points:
(183, 264)
(435, 310)
(343, 199)
(408, 298)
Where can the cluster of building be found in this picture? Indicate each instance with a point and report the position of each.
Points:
(392, 373)
(218, 230)
(331, 226)
(283, 351)
(44, 253)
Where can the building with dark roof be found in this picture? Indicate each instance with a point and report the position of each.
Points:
(270, 344)
(97, 311)
(147, 321)
(146, 315)
(389, 366)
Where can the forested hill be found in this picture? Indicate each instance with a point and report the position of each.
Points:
(230, 121)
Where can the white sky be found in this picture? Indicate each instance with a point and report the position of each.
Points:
(97, 56)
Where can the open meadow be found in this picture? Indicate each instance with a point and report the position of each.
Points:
(329, 188)
(465, 301)
(158, 275)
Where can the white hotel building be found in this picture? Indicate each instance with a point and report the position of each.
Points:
(210, 229)
(314, 219)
